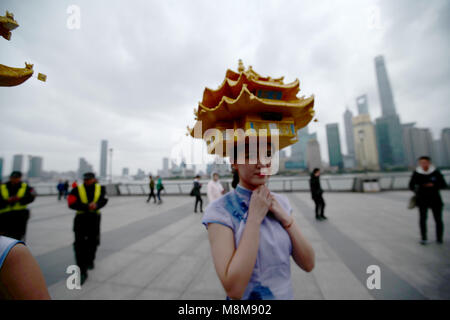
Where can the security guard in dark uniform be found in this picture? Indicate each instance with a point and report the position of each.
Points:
(87, 198)
(14, 215)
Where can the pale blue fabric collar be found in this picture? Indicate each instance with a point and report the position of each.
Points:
(244, 192)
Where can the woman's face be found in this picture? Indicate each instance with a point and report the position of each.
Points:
(252, 175)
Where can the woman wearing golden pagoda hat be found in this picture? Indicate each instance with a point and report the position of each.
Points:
(251, 230)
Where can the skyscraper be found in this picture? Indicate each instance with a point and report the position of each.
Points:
(17, 162)
(125, 172)
(418, 142)
(438, 154)
(1, 169)
(365, 143)
(35, 167)
(390, 141)
(362, 104)
(103, 158)
(298, 153)
(388, 126)
(445, 140)
(313, 157)
(334, 145)
(384, 88)
(349, 138)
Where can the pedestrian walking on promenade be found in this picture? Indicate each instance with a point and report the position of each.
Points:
(316, 194)
(15, 195)
(20, 275)
(152, 190)
(87, 199)
(196, 192)
(66, 189)
(215, 189)
(159, 188)
(60, 188)
(426, 181)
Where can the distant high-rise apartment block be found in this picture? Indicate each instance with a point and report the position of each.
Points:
(445, 140)
(298, 158)
(384, 87)
(165, 164)
(103, 158)
(125, 172)
(313, 159)
(418, 142)
(35, 167)
(349, 138)
(362, 104)
(365, 143)
(438, 153)
(390, 143)
(1, 169)
(17, 162)
(334, 145)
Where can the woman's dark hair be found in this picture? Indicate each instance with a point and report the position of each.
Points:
(235, 180)
(425, 158)
(315, 170)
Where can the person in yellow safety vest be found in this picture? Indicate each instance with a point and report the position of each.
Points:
(15, 195)
(87, 199)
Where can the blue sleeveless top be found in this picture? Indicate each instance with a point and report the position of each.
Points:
(6, 244)
(271, 277)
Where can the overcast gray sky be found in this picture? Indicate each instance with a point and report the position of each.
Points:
(135, 70)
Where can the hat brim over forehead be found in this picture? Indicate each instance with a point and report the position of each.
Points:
(88, 175)
(258, 106)
(16, 174)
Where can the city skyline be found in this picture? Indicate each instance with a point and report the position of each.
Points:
(134, 115)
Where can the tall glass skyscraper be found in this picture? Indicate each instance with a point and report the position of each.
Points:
(384, 88)
(35, 167)
(388, 128)
(298, 155)
(17, 162)
(334, 146)
(103, 158)
(349, 138)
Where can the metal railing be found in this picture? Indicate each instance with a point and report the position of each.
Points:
(277, 184)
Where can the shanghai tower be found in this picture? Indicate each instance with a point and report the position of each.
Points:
(384, 88)
(388, 128)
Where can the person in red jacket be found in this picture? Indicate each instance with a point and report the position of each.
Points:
(87, 199)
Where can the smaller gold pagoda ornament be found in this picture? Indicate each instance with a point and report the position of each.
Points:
(256, 105)
(7, 24)
(9, 76)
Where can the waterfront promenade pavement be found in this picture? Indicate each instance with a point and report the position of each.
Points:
(151, 251)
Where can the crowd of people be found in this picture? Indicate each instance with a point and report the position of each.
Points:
(249, 215)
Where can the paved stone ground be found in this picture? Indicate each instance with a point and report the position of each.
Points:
(151, 251)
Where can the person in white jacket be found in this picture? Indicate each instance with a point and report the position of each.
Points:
(215, 188)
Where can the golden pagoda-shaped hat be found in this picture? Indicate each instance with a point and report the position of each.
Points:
(260, 106)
